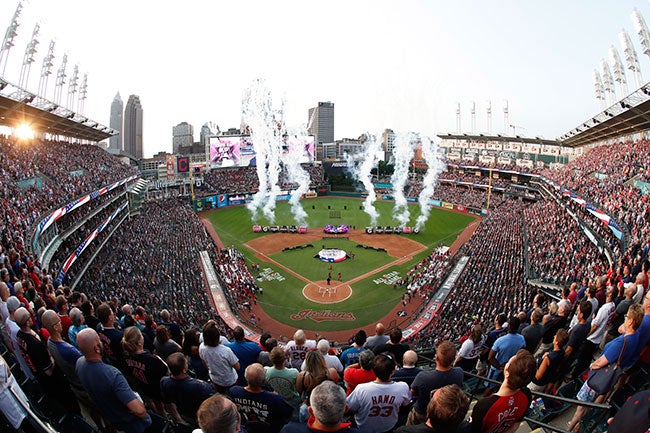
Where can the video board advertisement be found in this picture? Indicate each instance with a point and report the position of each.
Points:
(239, 151)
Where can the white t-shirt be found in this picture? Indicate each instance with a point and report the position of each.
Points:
(8, 405)
(377, 404)
(469, 350)
(602, 319)
(220, 361)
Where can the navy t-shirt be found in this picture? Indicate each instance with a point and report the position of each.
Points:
(263, 412)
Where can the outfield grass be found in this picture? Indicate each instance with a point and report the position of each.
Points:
(369, 300)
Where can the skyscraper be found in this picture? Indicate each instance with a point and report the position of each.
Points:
(321, 122)
(117, 110)
(133, 127)
(183, 137)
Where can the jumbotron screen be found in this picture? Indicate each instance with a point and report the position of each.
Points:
(238, 150)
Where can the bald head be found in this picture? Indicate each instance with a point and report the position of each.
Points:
(299, 337)
(410, 358)
(87, 340)
(380, 329)
(21, 317)
(255, 375)
(49, 320)
(4, 291)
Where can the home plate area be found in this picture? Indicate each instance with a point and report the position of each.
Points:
(323, 293)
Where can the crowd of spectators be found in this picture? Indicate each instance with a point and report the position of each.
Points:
(70, 241)
(122, 332)
(241, 180)
(492, 282)
(423, 279)
(505, 167)
(456, 176)
(40, 176)
(238, 283)
(558, 251)
(153, 264)
(602, 177)
(232, 180)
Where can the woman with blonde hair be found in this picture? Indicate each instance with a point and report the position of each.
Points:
(316, 372)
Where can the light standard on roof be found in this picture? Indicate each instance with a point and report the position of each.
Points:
(10, 34)
(619, 70)
(46, 71)
(60, 80)
(630, 57)
(598, 89)
(28, 59)
(608, 81)
(642, 30)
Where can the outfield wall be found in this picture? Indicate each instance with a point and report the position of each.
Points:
(225, 200)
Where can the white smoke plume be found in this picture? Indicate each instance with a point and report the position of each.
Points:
(267, 131)
(435, 167)
(403, 153)
(362, 172)
(257, 113)
(296, 143)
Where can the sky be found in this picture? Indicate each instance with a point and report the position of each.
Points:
(403, 65)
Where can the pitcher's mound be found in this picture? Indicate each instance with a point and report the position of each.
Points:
(322, 293)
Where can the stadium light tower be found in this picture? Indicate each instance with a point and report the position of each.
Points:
(608, 81)
(598, 88)
(10, 34)
(631, 58)
(60, 80)
(83, 93)
(619, 70)
(506, 120)
(473, 112)
(28, 59)
(642, 30)
(46, 71)
(458, 118)
(72, 87)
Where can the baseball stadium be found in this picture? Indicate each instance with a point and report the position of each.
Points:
(169, 294)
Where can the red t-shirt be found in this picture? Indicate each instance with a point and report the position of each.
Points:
(495, 414)
(357, 376)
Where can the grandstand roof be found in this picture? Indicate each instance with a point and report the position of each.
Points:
(18, 106)
(502, 138)
(628, 116)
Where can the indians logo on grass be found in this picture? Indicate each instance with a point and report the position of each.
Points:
(322, 316)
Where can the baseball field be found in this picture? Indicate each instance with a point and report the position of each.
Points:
(296, 290)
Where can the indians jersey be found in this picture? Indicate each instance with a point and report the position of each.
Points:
(297, 353)
(377, 404)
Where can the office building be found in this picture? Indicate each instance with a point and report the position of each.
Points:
(183, 138)
(117, 110)
(133, 127)
(321, 122)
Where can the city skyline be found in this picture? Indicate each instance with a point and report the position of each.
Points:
(402, 66)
